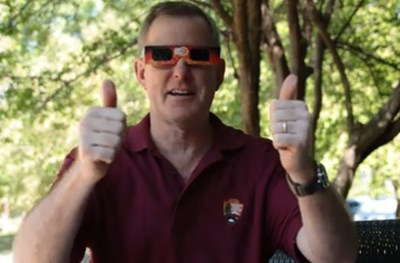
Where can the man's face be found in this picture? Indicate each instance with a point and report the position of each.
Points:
(180, 92)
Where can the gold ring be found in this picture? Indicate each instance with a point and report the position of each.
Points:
(284, 127)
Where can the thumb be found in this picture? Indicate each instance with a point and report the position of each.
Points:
(109, 95)
(289, 88)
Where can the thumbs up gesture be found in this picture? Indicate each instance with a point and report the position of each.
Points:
(100, 135)
(290, 124)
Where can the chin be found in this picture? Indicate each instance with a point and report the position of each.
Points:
(186, 118)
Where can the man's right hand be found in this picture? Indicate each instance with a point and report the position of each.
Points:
(100, 135)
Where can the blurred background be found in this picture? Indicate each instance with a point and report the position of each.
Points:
(55, 54)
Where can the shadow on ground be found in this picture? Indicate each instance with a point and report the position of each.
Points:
(6, 242)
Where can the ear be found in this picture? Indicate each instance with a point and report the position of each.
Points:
(220, 72)
(139, 67)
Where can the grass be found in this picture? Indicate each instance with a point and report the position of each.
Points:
(6, 240)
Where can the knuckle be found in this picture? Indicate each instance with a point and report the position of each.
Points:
(101, 154)
(306, 116)
(121, 115)
(118, 126)
(91, 111)
(108, 139)
(113, 140)
(96, 156)
(109, 155)
(304, 126)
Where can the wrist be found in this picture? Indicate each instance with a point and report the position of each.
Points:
(305, 176)
(318, 182)
(88, 177)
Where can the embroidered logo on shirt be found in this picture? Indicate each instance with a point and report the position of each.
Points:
(232, 210)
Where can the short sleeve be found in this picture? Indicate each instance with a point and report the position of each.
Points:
(67, 163)
(283, 215)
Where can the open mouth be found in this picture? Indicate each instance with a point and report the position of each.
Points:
(180, 93)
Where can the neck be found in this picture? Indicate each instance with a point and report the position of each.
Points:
(182, 145)
(170, 137)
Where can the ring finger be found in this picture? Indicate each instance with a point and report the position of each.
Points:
(282, 127)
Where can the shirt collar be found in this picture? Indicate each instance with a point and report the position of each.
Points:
(226, 138)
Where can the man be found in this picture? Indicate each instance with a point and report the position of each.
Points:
(180, 186)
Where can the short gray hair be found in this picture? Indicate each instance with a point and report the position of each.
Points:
(177, 9)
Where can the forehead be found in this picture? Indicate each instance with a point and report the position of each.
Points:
(182, 30)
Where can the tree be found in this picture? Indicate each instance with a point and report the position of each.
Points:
(54, 55)
(316, 40)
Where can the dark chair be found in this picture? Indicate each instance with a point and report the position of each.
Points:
(281, 257)
(379, 242)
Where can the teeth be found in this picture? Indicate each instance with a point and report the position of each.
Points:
(180, 92)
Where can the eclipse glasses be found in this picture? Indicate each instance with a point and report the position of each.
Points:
(192, 55)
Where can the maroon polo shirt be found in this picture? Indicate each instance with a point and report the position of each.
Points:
(236, 207)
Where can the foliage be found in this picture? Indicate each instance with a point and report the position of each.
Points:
(55, 54)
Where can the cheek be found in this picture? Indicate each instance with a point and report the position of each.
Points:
(212, 81)
(206, 76)
(156, 78)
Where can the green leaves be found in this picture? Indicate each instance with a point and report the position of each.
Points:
(54, 56)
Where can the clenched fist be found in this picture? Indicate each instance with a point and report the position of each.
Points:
(100, 135)
(290, 127)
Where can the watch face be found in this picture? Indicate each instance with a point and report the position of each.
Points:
(322, 175)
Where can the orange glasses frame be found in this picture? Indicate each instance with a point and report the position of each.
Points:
(177, 52)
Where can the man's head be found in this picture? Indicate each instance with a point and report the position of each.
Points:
(177, 9)
(180, 68)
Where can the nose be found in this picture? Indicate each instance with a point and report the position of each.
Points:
(180, 69)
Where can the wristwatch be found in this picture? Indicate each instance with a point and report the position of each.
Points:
(319, 183)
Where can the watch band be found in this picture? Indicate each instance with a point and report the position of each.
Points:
(318, 183)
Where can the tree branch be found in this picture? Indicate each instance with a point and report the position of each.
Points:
(317, 103)
(235, 70)
(318, 73)
(201, 3)
(226, 17)
(254, 28)
(374, 77)
(387, 113)
(337, 60)
(246, 35)
(392, 131)
(298, 47)
(274, 47)
(11, 21)
(347, 23)
(361, 53)
(67, 83)
(382, 127)
(295, 34)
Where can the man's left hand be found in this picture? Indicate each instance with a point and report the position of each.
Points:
(290, 127)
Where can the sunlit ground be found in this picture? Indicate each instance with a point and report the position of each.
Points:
(6, 257)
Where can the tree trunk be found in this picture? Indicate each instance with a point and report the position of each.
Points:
(364, 139)
(303, 18)
(246, 36)
(345, 174)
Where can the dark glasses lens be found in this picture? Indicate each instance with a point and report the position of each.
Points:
(200, 54)
(169, 55)
(161, 54)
